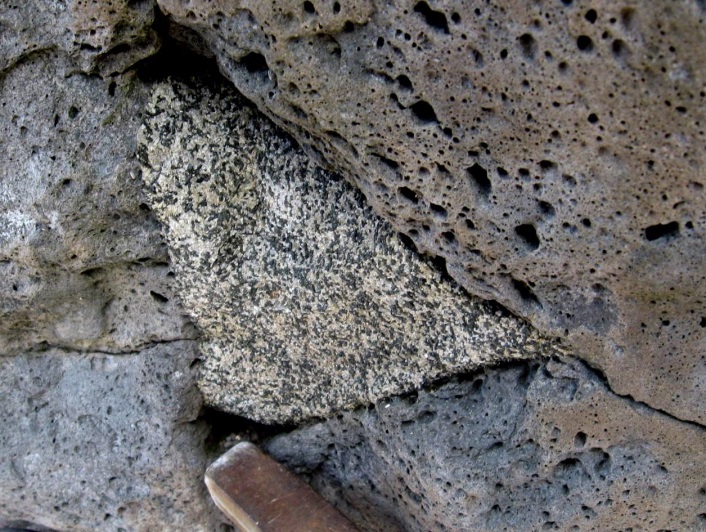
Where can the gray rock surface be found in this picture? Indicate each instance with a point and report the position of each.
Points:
(82, 261)
(552, 152)
(106, 37)
(308, 301)
(523, 447)
(90, 441)
(98, 426)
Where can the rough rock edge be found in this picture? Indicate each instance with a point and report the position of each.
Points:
(388, 484)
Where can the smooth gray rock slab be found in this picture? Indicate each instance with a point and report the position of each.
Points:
(104, 442)
(308, 301)
(523, 447)
(551, 152)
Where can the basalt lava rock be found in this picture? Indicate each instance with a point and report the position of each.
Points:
(526, 446)
(551, 152)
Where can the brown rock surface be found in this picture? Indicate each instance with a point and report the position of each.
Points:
(551, 152)
(105, 37)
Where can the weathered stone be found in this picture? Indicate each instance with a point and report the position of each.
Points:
(88, 440)
(525, 447)
(308, 301)
(94, 441)
(82, 262)
(552, 152)
(104, 442)
(106, 37)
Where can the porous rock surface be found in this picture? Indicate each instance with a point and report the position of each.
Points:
(90, 441)
(105, 37)
(529, 446)
(308, 301)
(551, 152)
(98, 426)
(82, 261)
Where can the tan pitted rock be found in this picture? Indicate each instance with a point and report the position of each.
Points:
(551, 152)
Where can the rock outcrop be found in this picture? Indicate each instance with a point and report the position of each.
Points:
(82, 261)
(551, 152)
(99, 426)
(105, 37)
(309, 303)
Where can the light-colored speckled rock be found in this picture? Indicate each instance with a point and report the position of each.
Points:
(552, 152)
(104, 442)
(308, 301)
(523, 447)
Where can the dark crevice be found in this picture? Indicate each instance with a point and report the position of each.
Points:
(424, 112)
(493, 307)
(664, 231)
(409, 194)
(141, 348)
(528, 234)
(254, 63)
(174, 59)
(439, 264)
(226, 429)
(527, 372)
(528, 46)
(438, 210)
(159, 298)
(394, 165)
(525, 292)
(435, 19)
(19, 525)
(407, 242)
(479, 176)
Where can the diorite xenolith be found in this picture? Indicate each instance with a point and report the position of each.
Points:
(552, 152)
(308, 301)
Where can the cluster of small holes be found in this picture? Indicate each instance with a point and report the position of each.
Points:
(516, 151)
(460, 442)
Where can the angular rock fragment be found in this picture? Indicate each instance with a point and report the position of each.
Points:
(308, 301)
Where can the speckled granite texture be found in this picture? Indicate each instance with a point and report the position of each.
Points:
(552, 152)
(308, 301)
